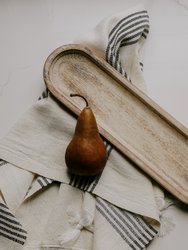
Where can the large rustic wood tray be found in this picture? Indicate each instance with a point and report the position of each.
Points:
(128, 118)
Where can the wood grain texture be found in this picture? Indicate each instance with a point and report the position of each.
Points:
(128, 118)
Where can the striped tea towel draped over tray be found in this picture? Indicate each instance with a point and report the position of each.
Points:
(114, 210)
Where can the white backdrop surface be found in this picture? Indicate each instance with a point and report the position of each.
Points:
(30, 30)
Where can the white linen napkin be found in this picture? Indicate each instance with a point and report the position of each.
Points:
(122, 199)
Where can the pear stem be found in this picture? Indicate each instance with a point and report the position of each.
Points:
(87, 104)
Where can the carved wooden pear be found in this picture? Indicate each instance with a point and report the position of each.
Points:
(86, 153)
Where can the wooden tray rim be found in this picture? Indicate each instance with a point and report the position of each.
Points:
(99, 61)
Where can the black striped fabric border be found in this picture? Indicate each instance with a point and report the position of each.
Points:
(141, 65)
(2, 162)
(85, 183)
(10, 228)
(44, 94)
(131, 228)
(43, 181)
(108, 146)
(38, 183)
(126, 32)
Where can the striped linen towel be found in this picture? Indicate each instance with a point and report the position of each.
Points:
(10, 227)
(114, 210)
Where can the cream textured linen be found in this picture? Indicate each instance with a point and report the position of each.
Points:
(51, 205)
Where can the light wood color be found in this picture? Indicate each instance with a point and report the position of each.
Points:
(128, 118)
